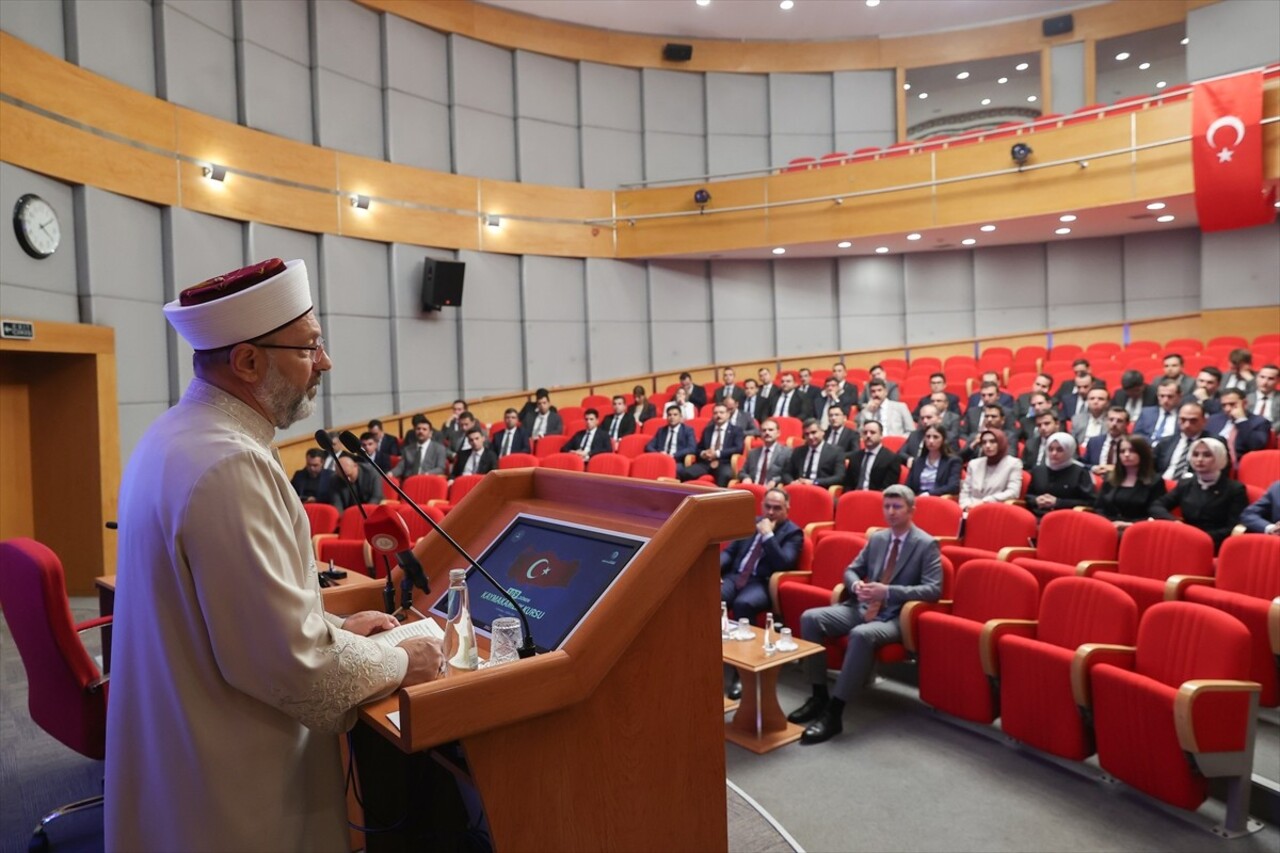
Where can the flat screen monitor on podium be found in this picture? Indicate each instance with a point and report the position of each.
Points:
(557, 570)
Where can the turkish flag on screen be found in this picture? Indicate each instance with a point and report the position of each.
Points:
(1226, 151)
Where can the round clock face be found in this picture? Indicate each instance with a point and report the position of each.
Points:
(36, 224)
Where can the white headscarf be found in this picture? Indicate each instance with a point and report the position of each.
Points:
(1220, 458)
(1068, 444)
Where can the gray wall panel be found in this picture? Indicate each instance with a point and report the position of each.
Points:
(610, 97)
(425, 344)
(611, 158)
(36, 22)
(418, 132)
(680, 305)
(1068, 77)
(1010, 289)
(548, 153)
(356, 408)
(142, 365)
(849, 141)
(618, 312)
(872, 299)
(1085, 277)
(201, 247)
(1240, 268)
(361, 360)
(123, 248)
(742, 310)
(217, 15)
(1161, 273)
(865, 102)
(268, 241)
(348, 40)
(417, 60)
(673, 155)
(618, 348)
(727, 153)
(787, 146)
(114, 38)
(1232, 36)
(805, 305)
(482, 76)
(492, 289)
(546, 88)
(484, 144)
(279, 26)
(277, 94)
(493, 360)
(350, 114)
(30, 303)
(555, 320)
(801, 103)
(199, 64)
(674, 101)
(23, 279)
(738, 104)
(939, 296)
(355, 277)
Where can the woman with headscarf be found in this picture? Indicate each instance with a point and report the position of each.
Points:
(1062, 482)
(1208, 499)
(1128, 491)
(993, 475)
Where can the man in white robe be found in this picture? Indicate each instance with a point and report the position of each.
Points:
(229, 681)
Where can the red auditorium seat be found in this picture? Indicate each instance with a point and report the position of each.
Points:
(757, 490)
(1230, 341)
(897, 652)
(517, 460)
(418, 528)
(1142, 347)
(1247, 586)
(795, 592)
(936, 143)
(1004, 130)
(549, 444)
(1150, 552)
(1170, 714)
(651, 427)
(1130, 104)
(945, 636)
(1260, 468)
(1091, 112)
(989, 528)
(599, 402)
(1266, 340)
(809, 505)
(388, 493)
(653, 466)
(563, 462)
(424, 488)
(346, 547)
(799, 164)
(459, 489)
(609, 463)
(1185, 347)
(856, 512)
(633, 445)
(323, 518)
(959, 364)
(868, 153)
(897, 149)
(570, 413)
(1102, 350)
(1048, 121)
(1065, 352)
(1021, 383)
(1027, 359)
(1174, 93)
(1065, 539)
(1032, 662)
(835, 158)
(939, 517)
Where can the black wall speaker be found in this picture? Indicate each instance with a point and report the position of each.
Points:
(441, 284)
(677, 52)
(1058, 26)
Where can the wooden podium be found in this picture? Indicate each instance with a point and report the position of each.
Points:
(615, 741)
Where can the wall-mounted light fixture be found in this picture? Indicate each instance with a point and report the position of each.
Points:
(360, 202)
(493, 220)
(214, 172)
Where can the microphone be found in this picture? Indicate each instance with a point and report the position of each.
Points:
(326, 444)
(527, 649)
(387, 533)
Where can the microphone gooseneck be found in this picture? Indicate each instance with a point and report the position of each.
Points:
(527, 649)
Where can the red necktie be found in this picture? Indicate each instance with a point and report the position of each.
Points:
(764, 465)
(886, 577)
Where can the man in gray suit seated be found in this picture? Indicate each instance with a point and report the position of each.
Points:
(424, 454)
(899, 564)
(768, 461)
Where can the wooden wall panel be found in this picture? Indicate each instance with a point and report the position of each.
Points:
(1186, 326)
(380, 179)
(516, 199)
(1246, 322)
(943, 351)
(205, 138)
(17, 517)
(1093, 335)
(254, 200)
(1014, 341)
(395, 224)
(521, 237)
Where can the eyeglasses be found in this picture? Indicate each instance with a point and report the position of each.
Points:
(317, 350)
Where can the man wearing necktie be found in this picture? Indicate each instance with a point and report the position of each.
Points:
(621, 422)
(815, 464)
(1265, 401)
(721, 441)
(1172, 456)
(898, 564)
(1160, 421)
(745, 566)
(591, 440)
(768, 462)
(1243, 431)
(477, 458)
(675, 439)
(511, 438)
(1103, 451)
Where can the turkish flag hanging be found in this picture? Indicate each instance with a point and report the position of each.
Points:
(1226, 152)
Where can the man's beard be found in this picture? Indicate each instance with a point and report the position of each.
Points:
(286, 404)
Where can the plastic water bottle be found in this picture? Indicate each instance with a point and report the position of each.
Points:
(769, 647)
(460, 652)
(725, 631)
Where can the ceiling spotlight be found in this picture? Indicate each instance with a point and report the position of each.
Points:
(882, 250)
(1021, 66)
(1003, 80)
(1156, 205)
(1161, 84)
(922, 95)
(968, 241)
(906, 87)
(493, 220)
(1144, 66)
(963, 75)
(1020, 152)
(1168, 217)
(843, 244)
(1122, 56)
(786, 5)
(913, 236)
(987, 228)
(1185, 41)
(360, 202)
(1031, 99)
(779, 251)
(704, 2)
(986, 101)
(214, 172)
(1067, 217)
(873, 3)
(1062, 231)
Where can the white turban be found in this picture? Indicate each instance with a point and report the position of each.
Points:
(242, 305)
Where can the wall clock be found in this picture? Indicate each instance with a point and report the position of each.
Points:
(36, 224)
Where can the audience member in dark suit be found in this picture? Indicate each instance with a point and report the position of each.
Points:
(754, 404)
(1039, 403)
(791, 403)
(975, 415)
(591, 440)
(675, 439)
(1208, 499)
(830, 399)
(899, 564)
(314, 483)
(936, 471)
(848, 389)
(1265, 400)
(875, 467)
(695, 394)
(1173, 455)
(720, 442)
(730, 388)
(386, 443)
(1073, 397)
(451, 432)
(840, 433)
(369, 444)
(1173, 370)
(768, 391)
(363, 479)
(1035, 450)
(1263, 515)
(937, 385)
(511, 438)
(1102, 451)
(747, 564)
(1004, 398)
(458, 440)
(1242, 431)
(1094, 420)
(1024, 411)
(739, 418)
(476, 457)
(1062, 482)
(993, 417)
(769, 461)
(621, 422)
(891, 388)
(1208, 384)
(642, 409)
(423, 454)
(815, 463)
(1132, 485)
(1134, 394)
(806, 387)
(1160, 421)
(543, 419)
(948, 418)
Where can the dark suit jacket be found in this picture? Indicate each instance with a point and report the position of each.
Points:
(830, 466)
(488, 461)
(436, 463)
(763, 407)
(917, 575)
(368, 488)
(781, 552)
(884, 471)
(1252, 433)
(1146, 423)
(797, 407)
(389, 445)
(732, 441)
(1262, 512)
(1066, 399)
(599, 442)
(1093, 450)
(318, 489)
(519, 441)
(848, 441)
(1164, 452)
(627, 427)
(1031, 452)
(1120, 398)
(953, 404)
(555, 425)
(1005, 399)
(649, 411)
(947, 482)
(811, 392)
(697, 396)
(685, 442)
(820, 408)
(738, 394)
(382, 459)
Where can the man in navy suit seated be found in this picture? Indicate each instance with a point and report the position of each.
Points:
(675, 439)
(721, 441)
(1243, 432)
(590, 441)
(745, 566)
(1263, 515)
(511, 438)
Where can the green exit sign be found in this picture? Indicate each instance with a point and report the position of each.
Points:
(18, 330)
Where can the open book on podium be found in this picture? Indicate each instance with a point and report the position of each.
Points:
(612, 737)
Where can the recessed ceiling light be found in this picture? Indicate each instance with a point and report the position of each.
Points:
(1122, 56)
(922, 95)
(987, 228)
(786, 4)
(779, 251)
(1003, 80)
(968, 241)
(1031, 99)
(843, 244)
(986, 101)
(1062, 231)
(1067, 217)
(1185, 40)
(913, 236)
(882, 250)
(1144, 66)
(704, 2)
(963, 75)
(1168, 217)
(1161, 84)
(873, 3)
(906, 87)
(1021, 66)
(1156, 205)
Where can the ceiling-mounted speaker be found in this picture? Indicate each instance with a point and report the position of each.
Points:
(677, 52)
(1058, 26)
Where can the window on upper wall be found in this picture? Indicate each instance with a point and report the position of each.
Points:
(944, 100)
(1142, 63)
